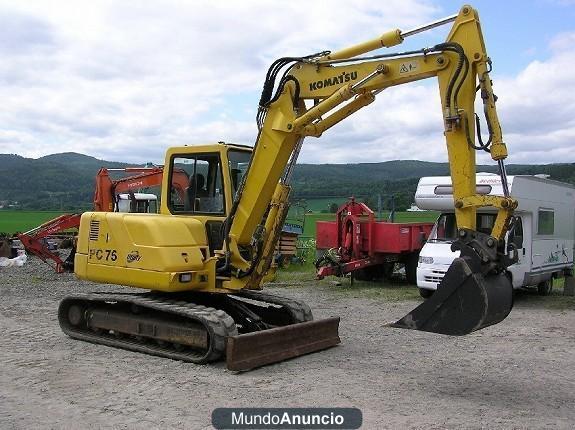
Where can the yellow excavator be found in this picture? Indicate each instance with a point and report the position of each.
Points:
(203, 257)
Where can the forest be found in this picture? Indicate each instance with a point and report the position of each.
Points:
(65, 182)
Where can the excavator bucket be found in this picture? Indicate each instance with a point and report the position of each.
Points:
(251, 350)
(465, 301)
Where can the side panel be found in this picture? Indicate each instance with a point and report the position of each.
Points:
(326, 234)
(397, 238)
(387, 237)
(550, 251)
(552, 254)
(144, 250)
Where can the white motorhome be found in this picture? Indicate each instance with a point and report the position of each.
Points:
(543, 233)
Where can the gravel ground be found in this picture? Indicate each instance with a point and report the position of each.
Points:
(518, 374)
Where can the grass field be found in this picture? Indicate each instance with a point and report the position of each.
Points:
(20, 221)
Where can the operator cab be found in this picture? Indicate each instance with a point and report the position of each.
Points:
(203, 182)
(210, 187)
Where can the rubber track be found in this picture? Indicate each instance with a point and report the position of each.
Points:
(299, 311)
(218, 324)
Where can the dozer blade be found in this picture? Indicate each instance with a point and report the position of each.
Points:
(464, 302)
(251, 350)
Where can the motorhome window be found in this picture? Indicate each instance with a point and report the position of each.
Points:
(545, 221)
(238, 165)
(447, 190)
(197, 185)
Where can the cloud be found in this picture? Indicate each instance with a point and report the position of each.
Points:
(536, 110)
(126, 80)
(23, 34)
(537, 107)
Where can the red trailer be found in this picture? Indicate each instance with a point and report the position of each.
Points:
(368, 249)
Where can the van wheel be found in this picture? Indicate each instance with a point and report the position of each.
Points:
(544, 288)
(411, 268)
(425, 293)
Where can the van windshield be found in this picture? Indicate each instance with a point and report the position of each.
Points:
(445, 228)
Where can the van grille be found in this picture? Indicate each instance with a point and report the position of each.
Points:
(94, 229)
(436, 276)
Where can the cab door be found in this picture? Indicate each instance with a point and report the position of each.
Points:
(520, 236)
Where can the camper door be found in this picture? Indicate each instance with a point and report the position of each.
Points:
(520, 235)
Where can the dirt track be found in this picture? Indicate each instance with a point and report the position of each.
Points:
(518, 374)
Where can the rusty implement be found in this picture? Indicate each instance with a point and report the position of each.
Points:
(465, 301)
(251, 350)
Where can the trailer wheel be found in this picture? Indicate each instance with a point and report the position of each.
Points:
(369, 273)
(544, 288)
(387, 270)
(425, 293)
(411, 268)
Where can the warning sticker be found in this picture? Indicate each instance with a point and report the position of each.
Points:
(408, 67)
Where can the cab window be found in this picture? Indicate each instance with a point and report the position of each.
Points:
(445, 228)
(238, 165)
(196, 184)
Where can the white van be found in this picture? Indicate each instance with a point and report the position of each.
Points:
(137, 203)
(544, 230)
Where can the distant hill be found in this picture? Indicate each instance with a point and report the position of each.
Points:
(59, 181)
(66, 181)
(406, 169)
(81, 162)
(398, 178)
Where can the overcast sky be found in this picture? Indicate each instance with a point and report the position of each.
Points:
(124, 80)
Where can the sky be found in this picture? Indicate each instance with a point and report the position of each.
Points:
(124, 80)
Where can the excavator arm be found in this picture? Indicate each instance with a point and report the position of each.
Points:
(319, 91)
(34, 241)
